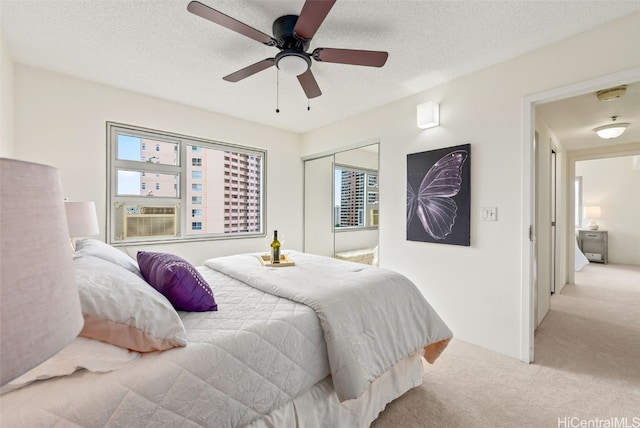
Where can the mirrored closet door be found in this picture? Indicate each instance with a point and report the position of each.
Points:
(341, 204)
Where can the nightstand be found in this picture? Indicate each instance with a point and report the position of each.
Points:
(595, 245)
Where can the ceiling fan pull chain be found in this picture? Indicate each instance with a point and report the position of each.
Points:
(277, 91)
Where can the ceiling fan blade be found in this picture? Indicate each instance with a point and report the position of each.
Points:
(220, 18)
(311, 17)
(351, 56)
(250, 70)
(309, 84)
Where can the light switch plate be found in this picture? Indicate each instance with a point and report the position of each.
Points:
(490, 214)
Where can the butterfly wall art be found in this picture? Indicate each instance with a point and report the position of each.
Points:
(439, 195)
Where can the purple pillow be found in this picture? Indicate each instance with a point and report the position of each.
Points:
(177, 280)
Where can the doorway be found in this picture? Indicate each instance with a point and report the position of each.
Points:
(565, 236)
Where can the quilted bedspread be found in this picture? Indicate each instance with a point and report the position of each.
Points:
(371, 317)
(254, 354)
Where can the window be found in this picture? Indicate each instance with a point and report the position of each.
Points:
(137, 214)
(356, 197)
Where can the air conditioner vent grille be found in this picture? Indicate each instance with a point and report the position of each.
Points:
(158, 210)
(150, 221)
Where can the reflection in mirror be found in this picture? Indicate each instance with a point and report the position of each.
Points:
(341, 204)
(356, 202)
(356, 197)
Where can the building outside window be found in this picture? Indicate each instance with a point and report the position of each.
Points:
(356, 197)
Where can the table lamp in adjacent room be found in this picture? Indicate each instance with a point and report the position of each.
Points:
(82, 219)
(592, 213)
(39, 302)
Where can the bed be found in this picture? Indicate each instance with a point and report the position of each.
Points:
(271, 347)
(580, 259)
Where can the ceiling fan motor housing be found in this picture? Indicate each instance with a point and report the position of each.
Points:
(283, 33)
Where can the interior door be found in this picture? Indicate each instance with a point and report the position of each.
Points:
(545, 259)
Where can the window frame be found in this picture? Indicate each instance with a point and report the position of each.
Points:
(183, 198)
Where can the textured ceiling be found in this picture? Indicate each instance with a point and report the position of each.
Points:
(160, 49)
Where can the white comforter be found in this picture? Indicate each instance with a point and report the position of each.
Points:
(371, 317)
(253, 355)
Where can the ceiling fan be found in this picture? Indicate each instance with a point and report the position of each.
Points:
(292, 35)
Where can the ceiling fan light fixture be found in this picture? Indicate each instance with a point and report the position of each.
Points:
(293, 62)
(613, 130)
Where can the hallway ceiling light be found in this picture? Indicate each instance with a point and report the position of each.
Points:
(613, 130)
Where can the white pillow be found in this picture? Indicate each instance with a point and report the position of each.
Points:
(82, 353)
(93, 247)
(121, 308)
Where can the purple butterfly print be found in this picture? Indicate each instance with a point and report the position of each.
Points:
(432, 204)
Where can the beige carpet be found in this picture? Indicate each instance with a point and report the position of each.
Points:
(586, 370)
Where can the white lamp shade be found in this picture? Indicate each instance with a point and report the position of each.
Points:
(428, 115)
(592, 212)
(39, 303)
(82, 218)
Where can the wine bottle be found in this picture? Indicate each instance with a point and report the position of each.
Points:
(275, 248)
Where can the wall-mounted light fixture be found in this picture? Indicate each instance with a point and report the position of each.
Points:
(428, 115)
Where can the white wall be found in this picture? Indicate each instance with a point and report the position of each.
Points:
(61, 121)
(6, 101)
(477, 289)
(614, 185)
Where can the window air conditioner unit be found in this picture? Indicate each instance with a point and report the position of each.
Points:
(149, 221)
